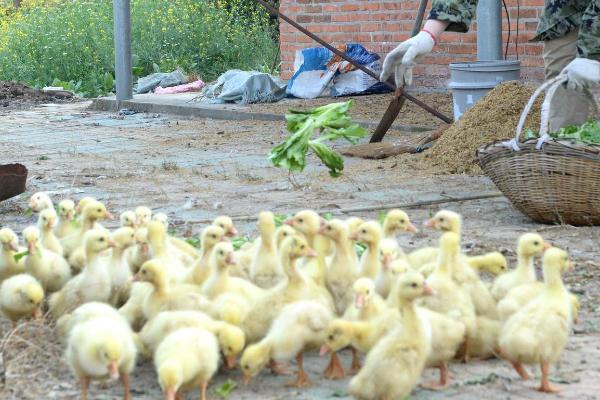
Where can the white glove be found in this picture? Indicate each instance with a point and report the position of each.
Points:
(403, 58)
(582, 73)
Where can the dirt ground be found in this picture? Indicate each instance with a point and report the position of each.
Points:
(17, 95)
(372, 107)
(197, 169)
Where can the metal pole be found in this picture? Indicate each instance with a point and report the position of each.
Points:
(122, 33)
(489, 30)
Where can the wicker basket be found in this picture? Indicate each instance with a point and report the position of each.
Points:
(551, 181)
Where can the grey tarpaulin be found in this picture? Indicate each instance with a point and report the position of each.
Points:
(152, 81)
(244, 87)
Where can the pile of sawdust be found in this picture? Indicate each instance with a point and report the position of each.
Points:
(494, 117)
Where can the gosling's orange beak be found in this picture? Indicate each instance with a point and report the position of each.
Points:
(571, 266)
(428, 291)
(31, 247)
(311, 253)
(145, 249)
(232, 231)
(430, 223)
(411, 228)
(230, 259)
(359, 301)
(170, 394)
(324, 350)
(230, 362)
(547, 245)
(322, 226)
(71, 215)
(113, 370)
(289, 222)
(111, 243)
(13, 246)
(136, 278)
(32, 204)
(246, 378)
(37, 313)
(387, 259)
(353, 236)
(108, 215)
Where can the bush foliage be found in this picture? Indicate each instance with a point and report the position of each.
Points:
(70, 42)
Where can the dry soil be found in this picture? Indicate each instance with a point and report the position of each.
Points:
(197, 169)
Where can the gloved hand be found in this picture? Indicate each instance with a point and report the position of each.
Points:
(582, 73)
(402, 59)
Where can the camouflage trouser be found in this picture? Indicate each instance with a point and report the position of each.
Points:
(568, 107)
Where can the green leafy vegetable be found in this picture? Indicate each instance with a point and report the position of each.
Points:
(225, 389)
(588, 133)
(194, 241)
(28, 212)
(381, 217)
(239, 241)
(19, 256)
(327, 216)
(360, 248)
(280, 219)
(331, 122)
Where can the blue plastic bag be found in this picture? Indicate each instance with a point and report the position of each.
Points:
(316, 69)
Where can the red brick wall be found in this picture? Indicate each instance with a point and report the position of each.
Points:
(380, 24)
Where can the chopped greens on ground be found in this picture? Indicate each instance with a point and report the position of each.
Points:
(588, 133)
(330, 122)
(225, 389)
(238, 241)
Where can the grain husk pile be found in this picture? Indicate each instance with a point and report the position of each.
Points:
(494, 117)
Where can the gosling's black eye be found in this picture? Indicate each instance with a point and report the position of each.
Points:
(246, 366)
(364, 231)
(214, 236)
(536, 243)
(101, 239)
(368, 292)
(285, 234)
(330, 337)
(221, 253)
(229, 349)
(328, 228)
(99, 210)
(302, 247)
(413, 285)
(301, 220)
(402, 221)
(441, 219)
